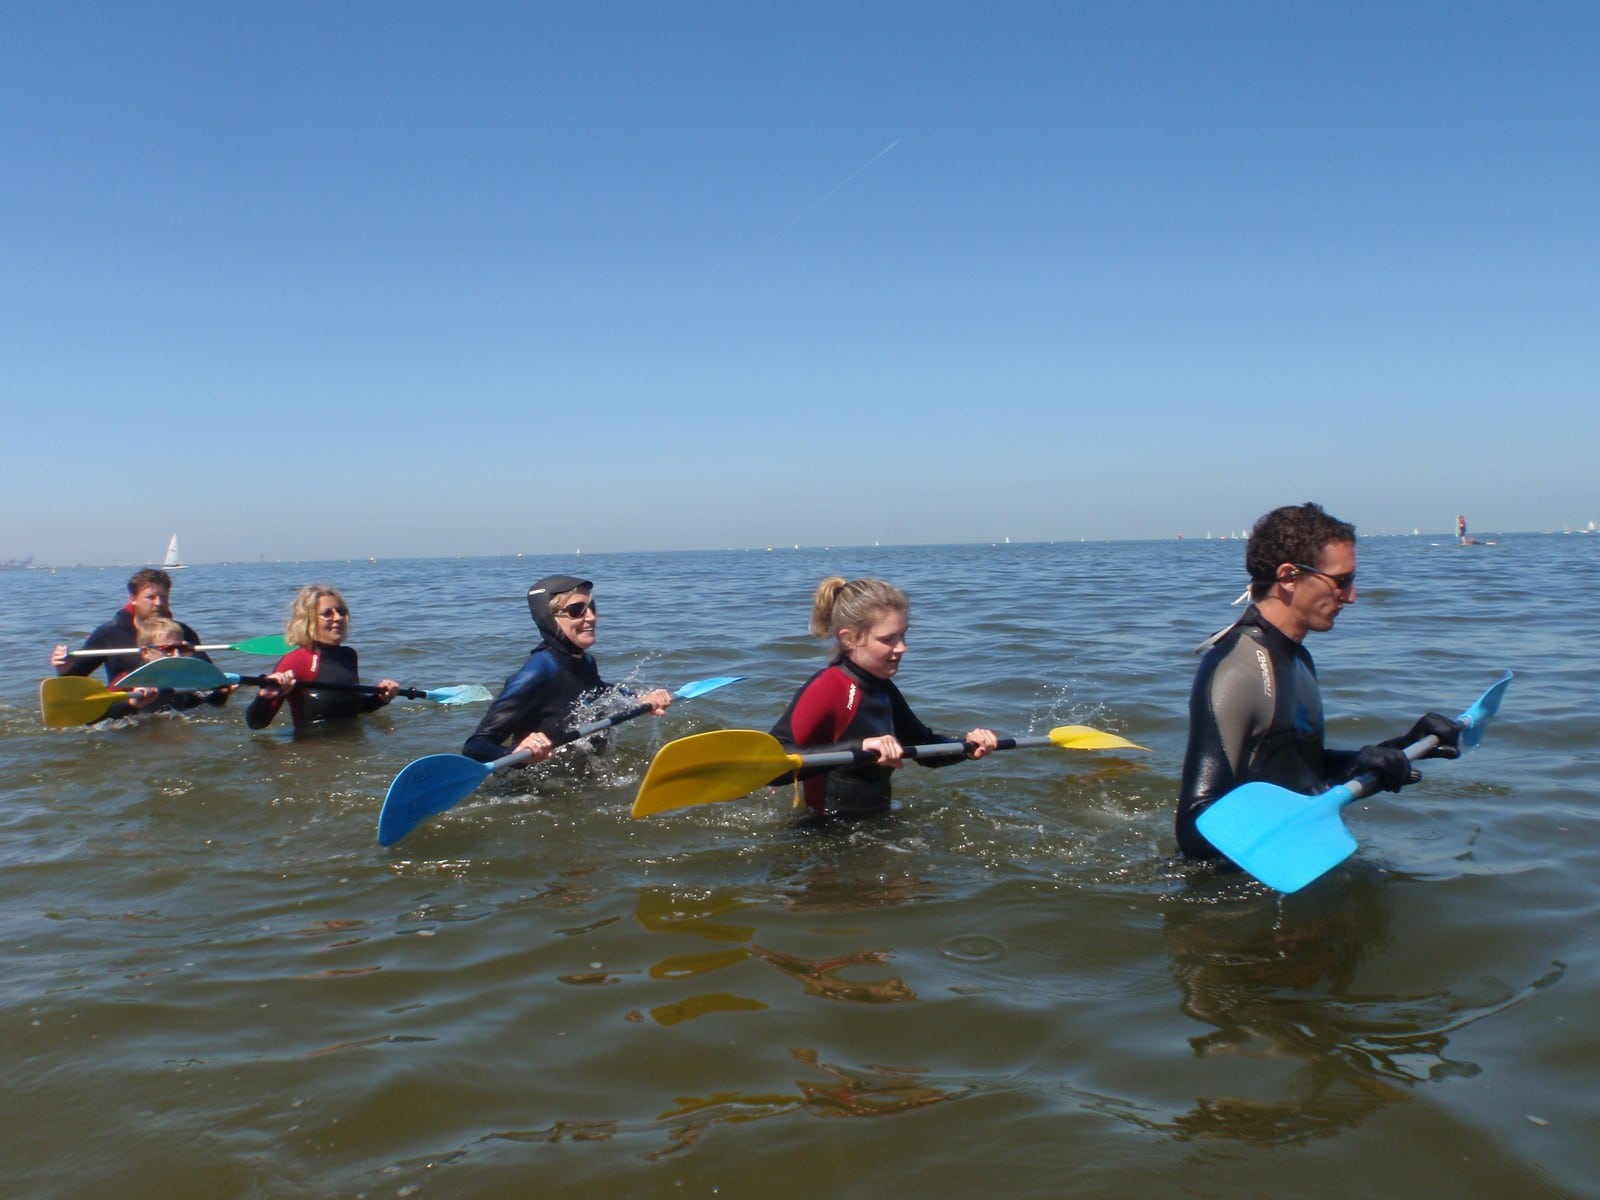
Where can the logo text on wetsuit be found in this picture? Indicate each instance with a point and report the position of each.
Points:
(1266, 672)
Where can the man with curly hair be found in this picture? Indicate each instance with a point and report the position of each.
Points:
(1255, 712)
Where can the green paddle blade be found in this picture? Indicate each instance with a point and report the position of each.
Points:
(707, 768)
(274, 644)
(1082, 737)
(70, 700)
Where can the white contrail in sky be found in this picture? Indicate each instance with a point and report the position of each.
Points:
(831, 192)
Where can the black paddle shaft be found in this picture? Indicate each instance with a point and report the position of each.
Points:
(866, 758)
(370, 689)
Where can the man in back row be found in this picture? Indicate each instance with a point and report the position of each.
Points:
(1255, 713)
(149, 597)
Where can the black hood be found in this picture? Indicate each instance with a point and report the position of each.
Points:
(539, 606)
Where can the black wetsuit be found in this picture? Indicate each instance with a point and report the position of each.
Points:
(307, 705)
(539, 698)
(839, 708)
(116, 634)
(1255, 713)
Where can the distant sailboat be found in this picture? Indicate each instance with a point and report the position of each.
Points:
(173, 560)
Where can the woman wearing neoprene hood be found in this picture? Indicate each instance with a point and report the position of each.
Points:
(537, 702)
(852, 703)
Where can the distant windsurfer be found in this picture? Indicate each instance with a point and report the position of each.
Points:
(1255, 712)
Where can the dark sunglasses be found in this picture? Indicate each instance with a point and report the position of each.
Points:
(1341, 583)
(167, 647)
(576, 610)
(329, 613)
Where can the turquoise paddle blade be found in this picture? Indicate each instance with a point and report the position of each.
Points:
(1477, 718)
(177, 674)
(700, 687)
(1283, 838)
(464, 693)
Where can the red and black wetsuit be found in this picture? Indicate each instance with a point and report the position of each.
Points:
(307, 705)
(839, 708)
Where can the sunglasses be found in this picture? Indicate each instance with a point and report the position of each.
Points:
(167, 647)
(328, 614)
(577, 610)
(1342, 583)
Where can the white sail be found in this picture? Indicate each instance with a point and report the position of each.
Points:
(173, 559)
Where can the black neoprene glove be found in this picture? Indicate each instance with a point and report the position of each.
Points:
(1437, 725)
(1388, 763)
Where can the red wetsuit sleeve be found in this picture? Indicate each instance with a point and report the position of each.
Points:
(303, 665)
(824, 710)
(821, 715)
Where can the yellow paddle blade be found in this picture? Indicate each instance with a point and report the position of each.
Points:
(706, 768)
(74, 700)
(1082, 737)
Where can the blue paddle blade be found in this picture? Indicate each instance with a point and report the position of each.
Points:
(424, 787)
(1283, 838)
(1477, 718)
(464, 693)
(700, 687)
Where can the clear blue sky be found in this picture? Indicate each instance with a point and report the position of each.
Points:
(330, 280)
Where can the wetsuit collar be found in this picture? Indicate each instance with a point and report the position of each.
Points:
(1285, 644)
(560, 647)
(871, 682)
(1251, 616)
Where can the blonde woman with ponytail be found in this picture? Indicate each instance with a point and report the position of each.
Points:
(853, 704)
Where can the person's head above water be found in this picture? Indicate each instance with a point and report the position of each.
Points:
(562, 606)
(867, 619)
(149, 594)
(1302, 565)
(318, 613)
(160, 637)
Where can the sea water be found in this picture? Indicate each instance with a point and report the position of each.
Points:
(217, 984)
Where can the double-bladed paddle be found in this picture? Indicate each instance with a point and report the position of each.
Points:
(430, 785)
(707, 768)
(198, 675)
(1286, 839)
(274, 643)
